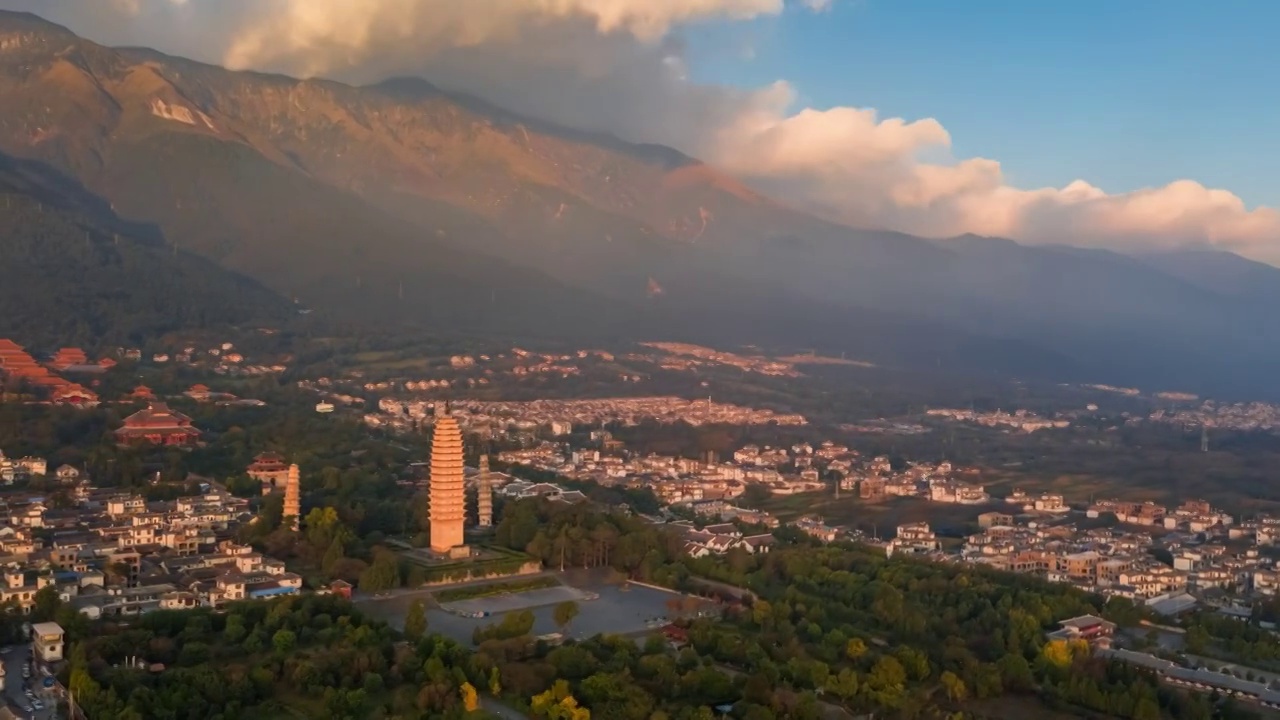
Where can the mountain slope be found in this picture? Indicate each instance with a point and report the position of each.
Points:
(132, 136)
(1219, 272)
(75, 273)
(401, 203)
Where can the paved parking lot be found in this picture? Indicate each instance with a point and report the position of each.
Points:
(634, 611)
(15, 686)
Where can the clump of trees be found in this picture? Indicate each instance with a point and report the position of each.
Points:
(314, 656)
(579, 536)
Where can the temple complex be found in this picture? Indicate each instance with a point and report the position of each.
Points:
(447, 488)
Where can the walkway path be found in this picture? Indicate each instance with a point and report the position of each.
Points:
(500, 710)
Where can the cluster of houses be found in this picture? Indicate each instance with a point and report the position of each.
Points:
(19, 469)
(719, 539)
(469, 371)
(1021, 420)
(222, 358)
(678, 480)
(1235, 416)
(937, 482)
(1210, 558)
(561, 416)
(688, 358)
(108, 553)
(728, 512)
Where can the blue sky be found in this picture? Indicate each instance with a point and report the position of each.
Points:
(1122, 93)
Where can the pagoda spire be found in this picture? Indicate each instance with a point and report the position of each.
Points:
(292, 504)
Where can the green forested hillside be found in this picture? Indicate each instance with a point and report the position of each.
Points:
(73, 273)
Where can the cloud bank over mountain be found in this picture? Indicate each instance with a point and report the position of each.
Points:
(620, 66)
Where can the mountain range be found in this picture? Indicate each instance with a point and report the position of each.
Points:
(401, 203)
(77, 274)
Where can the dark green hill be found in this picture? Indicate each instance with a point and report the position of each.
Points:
(75, 273)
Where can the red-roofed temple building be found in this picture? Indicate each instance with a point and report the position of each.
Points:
(270, 469)
(68, 357)
(17, 363)
(74, 394)
(157, 425)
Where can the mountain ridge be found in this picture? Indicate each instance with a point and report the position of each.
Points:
(78, 274)
(404, 202)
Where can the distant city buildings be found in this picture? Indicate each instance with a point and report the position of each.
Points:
(559, 417)
(1022, 420)
(1211, 415)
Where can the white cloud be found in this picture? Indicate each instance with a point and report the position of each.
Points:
(618, 65)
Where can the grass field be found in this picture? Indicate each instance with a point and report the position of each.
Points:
(388, 361)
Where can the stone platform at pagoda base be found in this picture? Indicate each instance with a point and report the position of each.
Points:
(474, 563)
(458, 552)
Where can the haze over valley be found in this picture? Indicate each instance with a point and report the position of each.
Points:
(400, 203)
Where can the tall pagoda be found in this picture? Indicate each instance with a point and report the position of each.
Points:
(447, 488)
(292, 498)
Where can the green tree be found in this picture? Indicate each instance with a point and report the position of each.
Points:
(46, 605)
(1197, 639)
(383, 573)
(954, 686)
(855, 649)
(1147, 709)
(332, 556)
(754, 495)
(283, 641)
(565, 612)
(415, 621)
